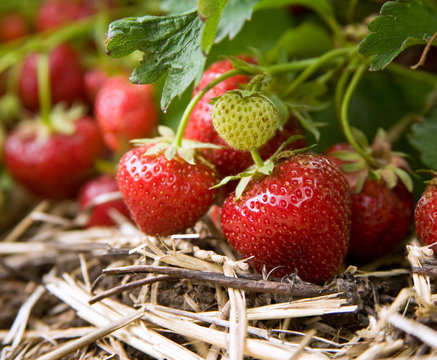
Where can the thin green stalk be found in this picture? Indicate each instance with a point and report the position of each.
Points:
(289, 66)
(257, 158)
(344, 117)
(43, 75)
(195, 100)
(341, 85)
(325, 58)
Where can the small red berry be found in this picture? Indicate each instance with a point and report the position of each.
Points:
(13, 26)
(53, 165)
(381, 216)
(66, 78)
(125, 111)
(100, 212)
(425, 216)
(165, 196)
(56, 13)
(94, 79)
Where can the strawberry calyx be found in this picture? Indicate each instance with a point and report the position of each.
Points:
(390, 165)
(62, 119)
(433, 173)
(165, 143)
(260, 167)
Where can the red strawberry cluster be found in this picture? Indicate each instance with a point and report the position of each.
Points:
(303, 216)
(89, 114)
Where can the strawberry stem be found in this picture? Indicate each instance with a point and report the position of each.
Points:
(344, 116)
(289, 66)
(330, 55)
(195, 100)
(256, 158)
(43, 74)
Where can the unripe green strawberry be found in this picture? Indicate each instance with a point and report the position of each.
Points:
(246, 120)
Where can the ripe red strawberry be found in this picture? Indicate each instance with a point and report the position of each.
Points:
(94, 79)
(381, 216)
(297, 219)
(66, 78)
(425, 215)
(200, 126)
(100, 211)
(125, 111)
(55, 13)
(13, 26)
(52, 165)
(165, 197)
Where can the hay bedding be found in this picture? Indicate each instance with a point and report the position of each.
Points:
(113, 293)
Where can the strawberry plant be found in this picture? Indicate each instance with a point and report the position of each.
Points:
(240, 103)
(271, 146)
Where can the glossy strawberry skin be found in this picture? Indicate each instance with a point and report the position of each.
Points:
(53, 167)
(381, 217)
(66, 78)
(100, 213)
(425, 216)
(125, 111)
(165, 197)
(56, 13)
(297, 219)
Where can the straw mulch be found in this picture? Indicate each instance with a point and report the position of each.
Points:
(113, 293)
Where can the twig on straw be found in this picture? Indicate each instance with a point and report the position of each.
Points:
(260, 286)
(129, 286)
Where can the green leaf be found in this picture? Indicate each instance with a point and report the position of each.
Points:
(405, 178)
(401, 24)
(191, 144)
(171, 47)
(320, 6)
(360, 183)
(210, 11)
(306, 121)
(187, 154)
(233, 18)
(227, 179)
(353, 167)
(156, 149)
(170, 152)
(242, 184)
(423, 138)
(347, 155)
(177, 6)
(165, 131)
(267, 168)
(389, 176)
(306, 40)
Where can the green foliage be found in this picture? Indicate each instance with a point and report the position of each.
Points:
(305, 40)
(211, 11)
(320, 6)
(423, 138)
(401, 24)
(234, 15)
(171, 47)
